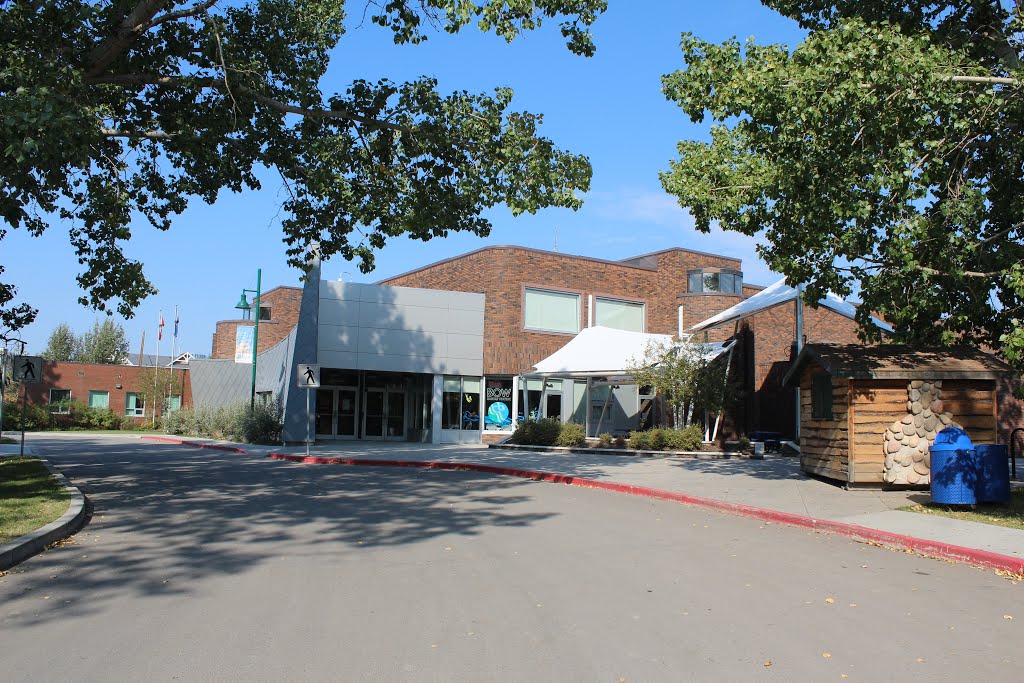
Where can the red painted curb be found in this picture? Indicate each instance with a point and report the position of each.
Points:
(889, 539)
(196, 444)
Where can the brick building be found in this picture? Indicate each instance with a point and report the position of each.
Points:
(279, 311)
(116, 387)
(429, 353)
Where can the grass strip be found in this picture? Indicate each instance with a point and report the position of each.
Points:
(1009, 514)
(30, 497)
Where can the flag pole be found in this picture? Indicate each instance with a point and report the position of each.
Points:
(174, 340)
(156, 364)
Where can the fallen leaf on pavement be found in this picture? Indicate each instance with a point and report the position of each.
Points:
(830, 600)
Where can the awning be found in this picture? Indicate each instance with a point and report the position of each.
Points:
(605, 351)
(776, 295)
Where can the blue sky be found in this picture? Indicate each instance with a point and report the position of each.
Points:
(608, 107)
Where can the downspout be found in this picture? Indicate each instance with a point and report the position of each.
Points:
(590, 310)
(799, 304)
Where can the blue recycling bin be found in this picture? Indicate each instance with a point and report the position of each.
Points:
(954, 468)
(993, 473)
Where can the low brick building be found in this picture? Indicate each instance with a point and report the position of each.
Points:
(116, 387)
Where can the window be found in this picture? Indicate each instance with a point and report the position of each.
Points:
(498, 404)
(552, 311)
(460, 403)
(99, 399)
(60, 401)
(264, 312)
(172, 403)
(134, 405)
(821, 397)
(622, 315)
(264, 398)
(715, 280)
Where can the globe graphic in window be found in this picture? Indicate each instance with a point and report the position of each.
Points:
(497, 414)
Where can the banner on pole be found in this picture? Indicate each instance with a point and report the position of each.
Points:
(243, 344)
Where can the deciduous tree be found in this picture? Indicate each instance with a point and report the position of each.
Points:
(133, 108)
(105, 343)
(63, 344)
(881, 156)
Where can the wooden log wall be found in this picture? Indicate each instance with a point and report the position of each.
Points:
(972, 404)
(825, 444)
(875, 405)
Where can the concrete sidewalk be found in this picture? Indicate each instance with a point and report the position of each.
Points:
(775, 483)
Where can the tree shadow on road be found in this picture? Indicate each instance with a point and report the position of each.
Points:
(165, 517)
(771, 468)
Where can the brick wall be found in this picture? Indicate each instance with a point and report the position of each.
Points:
(81, 378)
(284, 303)
(501, 273)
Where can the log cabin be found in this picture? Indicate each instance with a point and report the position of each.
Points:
(868, 414)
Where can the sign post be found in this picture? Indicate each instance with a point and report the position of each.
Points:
(26, 370)
(308, 377)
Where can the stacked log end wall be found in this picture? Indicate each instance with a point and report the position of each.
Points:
(825, 444)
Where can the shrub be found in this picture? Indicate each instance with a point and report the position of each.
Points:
(640, 441)
(744, 443)
(543, 432)
(688, 439)
(604, 440)
(263, 425)
(571, 434)
(620, 441)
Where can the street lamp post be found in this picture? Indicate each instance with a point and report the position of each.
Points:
(243, 306)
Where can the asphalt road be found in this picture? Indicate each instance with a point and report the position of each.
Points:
(201, 565)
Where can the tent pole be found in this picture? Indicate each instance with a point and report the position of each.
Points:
(587, 416)
(725, 382)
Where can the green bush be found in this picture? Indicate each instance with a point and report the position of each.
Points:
(544, 432)
(263, 425)
(232, 422)
(571, 434)
(604, 440)
(687, 439)
(36, 417)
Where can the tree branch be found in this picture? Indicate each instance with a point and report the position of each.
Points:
(132, 26)
(181, 14)
(987, 80)
(205, 81)
(968, 273)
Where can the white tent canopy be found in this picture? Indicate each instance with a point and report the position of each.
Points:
(605, 351)
(776, 295)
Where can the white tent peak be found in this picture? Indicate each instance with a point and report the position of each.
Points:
(775, 295)
(606, 351)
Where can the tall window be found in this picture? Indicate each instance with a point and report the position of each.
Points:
(99, 399)
(715, 281)
(60, 401)
(622, 315)
(821, 397)
(460, 403)
(498, 403)
(549, 311)
(134, 405)
(264, 312)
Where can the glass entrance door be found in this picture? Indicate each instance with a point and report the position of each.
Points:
(384, 414)
(395, 415)
(348, 409)
(324, 414)
(336, 411)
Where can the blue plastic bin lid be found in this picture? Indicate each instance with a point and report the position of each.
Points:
(953, 438)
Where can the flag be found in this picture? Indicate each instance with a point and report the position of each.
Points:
(160, 327)
(175, 321)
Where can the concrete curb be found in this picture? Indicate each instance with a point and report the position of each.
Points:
(196, 444)
(629, 453)
(888, 539)
(20, 549)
